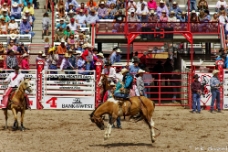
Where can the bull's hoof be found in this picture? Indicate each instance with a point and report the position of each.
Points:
(22, 128)
(14, 128)
(153, 140)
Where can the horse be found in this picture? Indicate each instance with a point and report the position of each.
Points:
(17, 103)
(131, 107)
(105, 86)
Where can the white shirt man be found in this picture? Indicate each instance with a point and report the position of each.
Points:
(221, 3)
(81, 19)
(139, 4)
(92, 18)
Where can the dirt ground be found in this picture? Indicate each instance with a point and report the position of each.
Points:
(72, 131)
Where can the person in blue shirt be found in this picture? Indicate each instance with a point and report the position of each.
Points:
(176, 9)
(61, 23)
(25, 2)
(133, 69)
(123, 90)
(115, 56)
(215, 90)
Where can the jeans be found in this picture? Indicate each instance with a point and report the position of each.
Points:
(30, 32)
(120, 95)
(53, 66)
(196, 101)
(16, 16)
(118, 122)
(148, 90)
(192, 5)
(215, 95)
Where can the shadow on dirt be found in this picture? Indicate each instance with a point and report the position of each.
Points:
(122, 144)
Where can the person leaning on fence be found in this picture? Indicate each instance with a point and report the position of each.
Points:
(72, 60)
(140, 83)
(14, 80)
(127, 85)
(25, 63)
(215, 90)
(52, 59)
(66, 65)
(11, 59)
(196, 93)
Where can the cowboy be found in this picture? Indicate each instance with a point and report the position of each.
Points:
(140, 83)
(134, 68)
(109, 71)
(215, 86)
(14, 80)
(127, 85)
(196, 93)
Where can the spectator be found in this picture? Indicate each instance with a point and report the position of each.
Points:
(29, 17)
(111, 11)
(162, 8)
(215, 86)
(82, 7)
(133, 69)
(15, 11)
(71, 39)
(139, 4)
(102, 11)
(61, 23)
(115, 56)
(44, 59)
(142, 10)
(11, 59)
(202, 4)
(25, 27)
(92, 4)
(196, 93)
(12, 46)
(153, 17)
(87, 55)
(72, 60)
(5, 7)
(120, 4)
(6, 2)
(59, 34)
(92, 18)
(183, 17)
(25, 63)
(61, 9)
(61, 49)
(3, 26)
(19, 2)
(5, 16)
(80, 62)
(52, 59)
(30, 9)
(80, 42)
(70, 15)
(119, 20)
(192, 5)
(163, 18)
(48, 5)
(172, 17)
(67, 32)
(13, 37)
(142, 59)
(221, 5)
(46, 48)
(169, 4)
(81, 18)
(71, 8)
(152, 5)
(22, 48)
(131, 6)
(74, 2)
(13, 26)
(65, 64)
(215, 18)
(45, 24)
(194, 20)
(148, 81)
(25, 2)
(73, 25)
(2, 48)
(39, 57)
(176, 9)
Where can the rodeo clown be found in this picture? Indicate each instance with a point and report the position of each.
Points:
(108, 71)
(14, 80)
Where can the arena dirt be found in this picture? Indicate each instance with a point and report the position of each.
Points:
(72, 131)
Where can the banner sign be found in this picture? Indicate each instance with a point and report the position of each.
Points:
(79, 103)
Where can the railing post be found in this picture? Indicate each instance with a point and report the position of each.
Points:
(53, 22)
(40, 76)
(159, 88)
(97, 88)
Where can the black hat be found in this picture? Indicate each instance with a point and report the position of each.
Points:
(135, 60)
(108, 63)
(196, 76)
(16, 67)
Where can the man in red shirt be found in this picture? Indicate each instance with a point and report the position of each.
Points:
(88, 56)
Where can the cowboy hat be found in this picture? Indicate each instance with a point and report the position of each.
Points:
(15, 4)
(66, 55)
(24, 55)
(118, 51)
(24, 18)
(195, 76)
(112, 84)
(71, 12)
(141, 71)
(108, 64)
(87, 45)
(62, 40)
(78, 52)
(215, 72)
(16, 67)
(124, 70)
(43, 55)
(13, 36)
(40, 52)
(153, 12)
(135, 61)
(161, 1)
(100, 55)
(51, 50)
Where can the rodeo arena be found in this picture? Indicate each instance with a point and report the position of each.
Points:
(113, 75)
